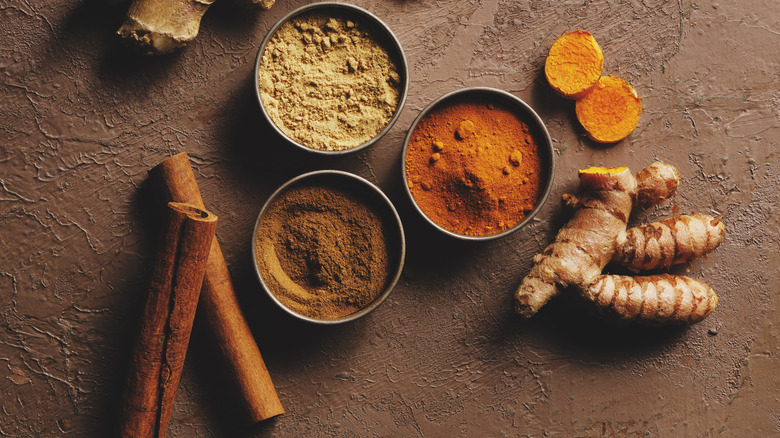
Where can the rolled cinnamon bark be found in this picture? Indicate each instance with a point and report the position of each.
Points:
(158, 357)
(219, 311)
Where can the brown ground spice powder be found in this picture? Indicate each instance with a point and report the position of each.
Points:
(328, 82)
(323, 251)
(474, 167)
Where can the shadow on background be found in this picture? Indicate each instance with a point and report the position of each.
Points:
(571, 326)
(546, 102)
(95, 23)
(257, 154)
(233, 19)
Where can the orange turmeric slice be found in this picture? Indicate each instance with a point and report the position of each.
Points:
(610, 111)
(574, 64)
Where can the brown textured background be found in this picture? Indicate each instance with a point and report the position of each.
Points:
(81, 122)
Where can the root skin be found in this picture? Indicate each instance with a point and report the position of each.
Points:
(662, 244)
(655, 299)
(154, 27)
(596, 234)
(585, 245)
(656, 182)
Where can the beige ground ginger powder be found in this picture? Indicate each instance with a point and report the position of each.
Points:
(327, 82)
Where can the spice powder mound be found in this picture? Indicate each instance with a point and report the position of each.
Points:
(323, 251)
(327, 81)
(474, 167)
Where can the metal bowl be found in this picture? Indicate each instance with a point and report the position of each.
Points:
(528, 115)
(386, 210)
(393, 47)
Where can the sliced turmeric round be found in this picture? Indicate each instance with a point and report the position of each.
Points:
(574, 64)
(610, 111)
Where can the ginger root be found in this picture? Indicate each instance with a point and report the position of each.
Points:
(154, 27)
(161, 26)
(596, 234)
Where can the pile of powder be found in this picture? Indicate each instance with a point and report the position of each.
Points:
(323, 251)
(327, 82)
(474, 167)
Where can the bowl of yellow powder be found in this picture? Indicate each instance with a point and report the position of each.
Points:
(478, 163)
(328, 247)
(331, 78)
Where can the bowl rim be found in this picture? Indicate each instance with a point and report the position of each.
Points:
(548, 148)
(404, 70)
(394, 217)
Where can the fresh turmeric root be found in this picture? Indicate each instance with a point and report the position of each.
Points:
(596, 235)
(662, 244)
(154, 27)
(653, 299)
(585, 245)
(607, 107)
(656, 182)
(574, 64)
(610, 111)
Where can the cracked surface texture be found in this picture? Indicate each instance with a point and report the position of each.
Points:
(82, 121)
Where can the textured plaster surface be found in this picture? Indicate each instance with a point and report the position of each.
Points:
(81, 122)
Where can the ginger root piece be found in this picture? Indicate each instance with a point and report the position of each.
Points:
(585, 244)
(610, 111)
(573, 65)
(655, 299)
(661, 244)
(155, 27)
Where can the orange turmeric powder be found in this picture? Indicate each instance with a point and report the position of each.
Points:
(474, 167)
(574, 64)
(610, 112)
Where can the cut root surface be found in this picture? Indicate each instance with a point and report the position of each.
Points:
(574, 64)
(610, 112)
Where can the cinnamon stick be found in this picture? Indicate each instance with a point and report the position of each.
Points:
(169, 312)
(219, 310)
